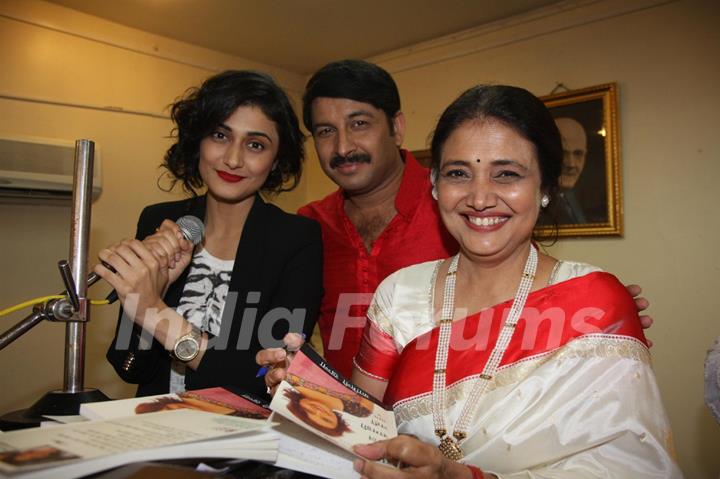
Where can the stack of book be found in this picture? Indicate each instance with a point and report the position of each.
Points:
(312, 424)
(211, 423)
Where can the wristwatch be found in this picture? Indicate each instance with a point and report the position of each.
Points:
(187, 346)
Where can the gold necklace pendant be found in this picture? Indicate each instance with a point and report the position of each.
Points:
(450, 449)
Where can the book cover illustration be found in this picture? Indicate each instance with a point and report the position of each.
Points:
(318, 398)
(217, 400)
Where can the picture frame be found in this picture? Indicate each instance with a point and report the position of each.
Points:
(590, 201)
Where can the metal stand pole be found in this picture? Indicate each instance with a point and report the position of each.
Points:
(79, 241)
(68, 400)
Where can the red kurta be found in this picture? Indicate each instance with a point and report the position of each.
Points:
(351, 273)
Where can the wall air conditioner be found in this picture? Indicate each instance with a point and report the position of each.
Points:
(32, 168)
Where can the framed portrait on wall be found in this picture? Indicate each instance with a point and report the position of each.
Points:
(589, 202)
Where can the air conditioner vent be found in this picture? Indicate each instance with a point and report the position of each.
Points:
(39, 168)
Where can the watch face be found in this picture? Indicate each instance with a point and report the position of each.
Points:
(186, 349)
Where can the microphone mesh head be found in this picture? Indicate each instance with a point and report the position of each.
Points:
(192, 228)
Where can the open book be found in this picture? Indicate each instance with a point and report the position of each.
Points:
(83, 448)
(318, 417)
(320, 400)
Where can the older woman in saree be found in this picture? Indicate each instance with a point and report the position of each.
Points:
(503, 361)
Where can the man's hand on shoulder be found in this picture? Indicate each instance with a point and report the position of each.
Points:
(641, 304)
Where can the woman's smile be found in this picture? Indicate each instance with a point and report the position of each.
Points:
(237, 156)
(229, 177)
(486, 223)
(489, 188)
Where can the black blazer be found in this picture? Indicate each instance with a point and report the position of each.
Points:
(279, 256)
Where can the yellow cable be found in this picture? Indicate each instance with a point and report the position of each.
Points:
(42, 299)
(27, 303)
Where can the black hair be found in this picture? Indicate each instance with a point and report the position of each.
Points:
(203, 109)
(515, 107)
(355, 80)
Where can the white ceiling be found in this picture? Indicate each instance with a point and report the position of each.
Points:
(302, 35)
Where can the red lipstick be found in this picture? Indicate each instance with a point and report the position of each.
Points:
(229, 177)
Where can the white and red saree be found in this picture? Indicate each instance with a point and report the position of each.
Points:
(574, 395)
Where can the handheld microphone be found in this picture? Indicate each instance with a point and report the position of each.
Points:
(192, 229)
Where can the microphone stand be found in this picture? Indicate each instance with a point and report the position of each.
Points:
(73, 310)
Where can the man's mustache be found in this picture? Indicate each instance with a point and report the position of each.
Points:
(338, 160)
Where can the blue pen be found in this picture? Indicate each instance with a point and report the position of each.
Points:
(264, 369)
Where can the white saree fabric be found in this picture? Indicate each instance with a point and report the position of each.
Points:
(588, 409)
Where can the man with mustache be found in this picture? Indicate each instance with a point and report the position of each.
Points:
(382, 217)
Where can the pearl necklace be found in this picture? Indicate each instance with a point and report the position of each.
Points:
(450, 445)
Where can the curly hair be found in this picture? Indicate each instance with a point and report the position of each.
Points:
(203, 109)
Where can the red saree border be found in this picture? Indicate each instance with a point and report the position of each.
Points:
(553, 316)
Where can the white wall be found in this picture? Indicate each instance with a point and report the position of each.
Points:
(664, 56)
